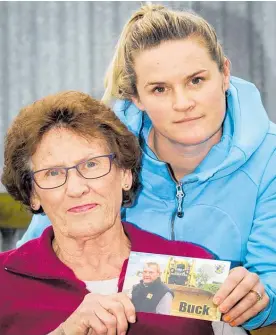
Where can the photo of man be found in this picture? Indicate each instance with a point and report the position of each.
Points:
(151, 295)
(175, 285)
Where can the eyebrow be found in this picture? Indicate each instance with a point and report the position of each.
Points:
(188, 77)
(58, 166)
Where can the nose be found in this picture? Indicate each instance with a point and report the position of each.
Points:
(76, 184)
(182, 100)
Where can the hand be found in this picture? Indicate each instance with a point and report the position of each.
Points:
(101, 315)
(236, 299)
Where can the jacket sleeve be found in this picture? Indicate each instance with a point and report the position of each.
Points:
(38, 224)
(165, 304)
(261, 246)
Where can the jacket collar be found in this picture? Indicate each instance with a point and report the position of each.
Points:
(37, 259)
(152, 284)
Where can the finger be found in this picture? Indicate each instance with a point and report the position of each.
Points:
(122, 321)
(116, 308)
(239, 292)
(128, 306)
(107, 318)
(84, 322)
(237, 285)
(234, 278)
(251, 312)
(245, 304)
(95, 325)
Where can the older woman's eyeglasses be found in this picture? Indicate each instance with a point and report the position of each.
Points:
(91, 168)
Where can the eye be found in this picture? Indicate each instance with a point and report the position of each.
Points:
(196, 80)
(159, 89)
(53, 173)
(90, 164)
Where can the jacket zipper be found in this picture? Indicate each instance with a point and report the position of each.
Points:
(179, 211)
(179, 196)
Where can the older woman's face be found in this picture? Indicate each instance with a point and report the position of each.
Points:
(81, 207)
(181, 89)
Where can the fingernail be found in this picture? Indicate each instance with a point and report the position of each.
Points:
(227, 318)
(132, 319)
(123, 333)
(223, 309)
(216, 301)
(233, 324)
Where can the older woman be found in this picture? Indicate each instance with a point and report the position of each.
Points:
(68, 156)
(209, 153)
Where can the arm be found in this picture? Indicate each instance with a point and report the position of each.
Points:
(165, 304)
(259, 272)
(35, 229)
(261, 246)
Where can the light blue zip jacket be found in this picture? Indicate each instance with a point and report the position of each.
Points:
(228, 204)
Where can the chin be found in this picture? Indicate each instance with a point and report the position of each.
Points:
(85, 230)
(192, 141)
(194, 138)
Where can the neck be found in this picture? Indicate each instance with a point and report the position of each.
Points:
(152, 283)
(94, 258)
(183, 159)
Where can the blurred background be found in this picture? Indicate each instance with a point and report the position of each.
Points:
(47, 47)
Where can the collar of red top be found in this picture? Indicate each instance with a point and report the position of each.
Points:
(37, 258)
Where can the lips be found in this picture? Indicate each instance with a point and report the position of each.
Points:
(82, 208)
(188, 119)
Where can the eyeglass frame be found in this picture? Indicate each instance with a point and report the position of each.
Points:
(110, 156)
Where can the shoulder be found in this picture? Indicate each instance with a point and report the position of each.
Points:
(272, 130)
(168, 296)
(4, 256)
(269, 142)
(265, 155)
(5, 275)
(166, 288)
(262, 162)
(129, 114)
(136, 286)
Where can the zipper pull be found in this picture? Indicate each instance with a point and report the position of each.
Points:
(179, 195)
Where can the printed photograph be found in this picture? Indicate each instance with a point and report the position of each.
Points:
(173, 285)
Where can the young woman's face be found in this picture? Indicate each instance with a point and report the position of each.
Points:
(182, 90)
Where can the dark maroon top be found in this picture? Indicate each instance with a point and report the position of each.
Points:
(38, 292)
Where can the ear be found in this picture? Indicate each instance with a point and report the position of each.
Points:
(226, 74)
(126, 180)
(138, 103)
(35, 201)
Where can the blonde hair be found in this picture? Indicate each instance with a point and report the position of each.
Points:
(147, 28)
(157, 266)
